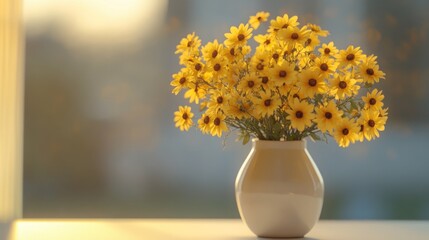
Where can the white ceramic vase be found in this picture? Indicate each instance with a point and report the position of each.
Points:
(279, 189)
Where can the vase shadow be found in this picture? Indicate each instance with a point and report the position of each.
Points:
(261, 238)
(304, 238)
(5, 230)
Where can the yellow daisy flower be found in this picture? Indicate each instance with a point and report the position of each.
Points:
(372, 124)
(304, 61)
(311, 83)
(328, 50)
(351, 56)
(232, 53)
(197, 67)
(204, 123)
(374, 100)
(318, 30)
(370, 73)
(238, 36)
(327, 116)
(248, 84)
(212, 50)
(231, 78)
(218, 100)
(276, 56)
(189, 57)
(343, 86)
(267, 83)
(283, 73)
(259, 62)
(181, 80)
(195, 93)
(325, 66)
(190, 42)
(183, 118)
(266, 105)
(217, 67)
(370, 60)
(312, 42)
(256, 20)
(300, 114)
(238, 107)
(266, 42)
(346, 132)
(218, 125)
(384, 113)
(282, 23)
(360, 135)
(293, 35)
(291, 92)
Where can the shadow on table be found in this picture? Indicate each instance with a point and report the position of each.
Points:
(260, 238)
(5, 230)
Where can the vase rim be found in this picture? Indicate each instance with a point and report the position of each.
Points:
(295, 144)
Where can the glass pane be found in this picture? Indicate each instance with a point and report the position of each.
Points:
(11, 109)
(99, 134)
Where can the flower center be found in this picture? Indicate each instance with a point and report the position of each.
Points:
(285, 26)
(260, 66)
(308, 41)
(324, 67)
(185, 116)
(216, 121)
(267, 42)
(328, 115)
(182, 80)
(370, 71)
(240, 37)
(206, 119)
(312, 82)
(214, 54)
(327, 51)
(267, 102)
(342, 84)
(345, 131)
(216, 67)
(198, 66)
(232, 51)
(259, 18)
(219, 99)
(371, 123)
(190, 43)
(276, 56)
(361, 127)
(250, 84)
(299, 114)
(282, 73)
(265, 80)
(294, 36)
(350, 57)
(372, 101)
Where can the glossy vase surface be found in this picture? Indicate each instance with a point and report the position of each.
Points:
(279, 189)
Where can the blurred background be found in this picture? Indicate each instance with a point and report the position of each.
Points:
(99, 134)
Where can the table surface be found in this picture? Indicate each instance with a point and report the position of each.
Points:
(219, 229)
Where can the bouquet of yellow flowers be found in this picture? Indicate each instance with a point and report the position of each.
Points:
(289, 89)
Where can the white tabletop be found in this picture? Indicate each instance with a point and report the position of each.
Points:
(202, 229)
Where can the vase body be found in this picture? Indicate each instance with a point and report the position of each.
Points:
(279, 189)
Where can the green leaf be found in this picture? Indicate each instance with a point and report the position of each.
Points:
(368, 85)
(353, 105)
(246, 138)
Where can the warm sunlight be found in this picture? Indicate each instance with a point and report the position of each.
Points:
(105, 22)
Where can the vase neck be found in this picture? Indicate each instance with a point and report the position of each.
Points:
(264, 144)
